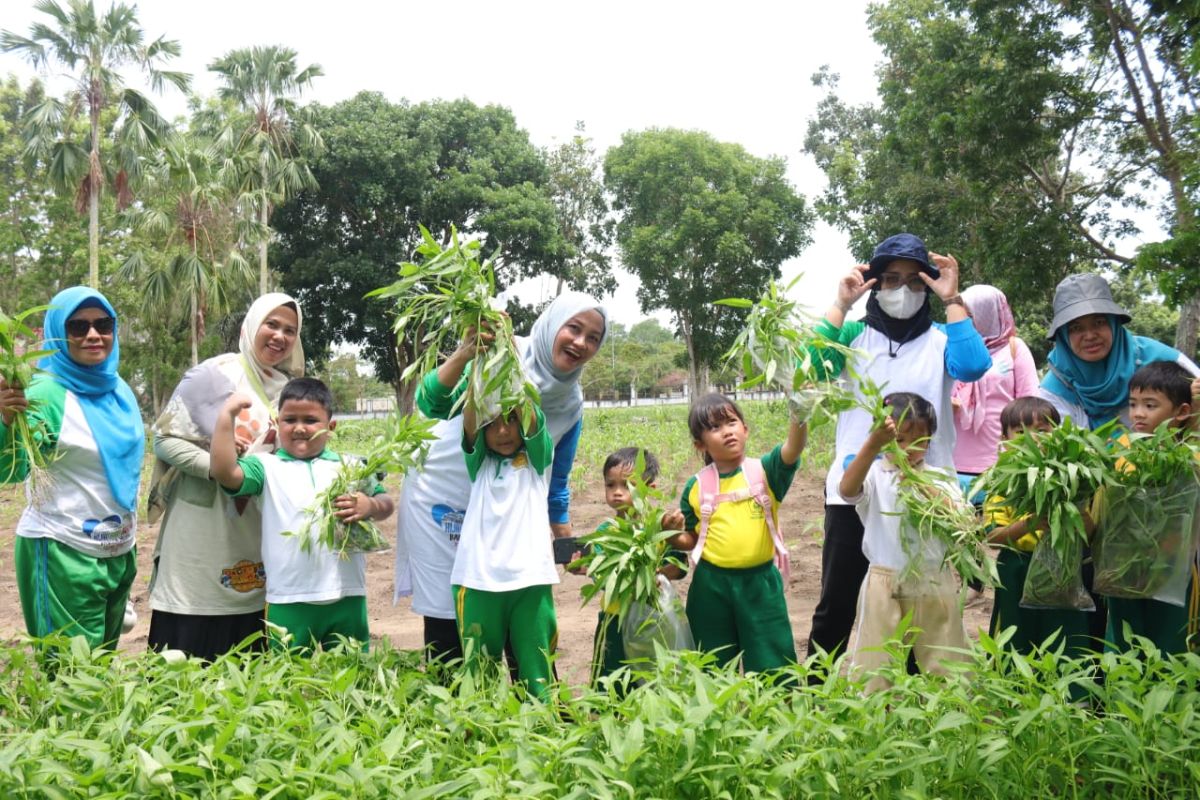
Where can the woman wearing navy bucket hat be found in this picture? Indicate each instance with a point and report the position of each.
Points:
(1094, 356)
(901, 347)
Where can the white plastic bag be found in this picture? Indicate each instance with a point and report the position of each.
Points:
(663, 622)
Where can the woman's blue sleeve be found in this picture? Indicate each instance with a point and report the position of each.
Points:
(559, 498)
(967, 357)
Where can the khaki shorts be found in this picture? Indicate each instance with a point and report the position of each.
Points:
(936, 626)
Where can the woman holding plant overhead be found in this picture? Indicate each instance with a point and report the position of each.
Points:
(564, 338)
(207, 590)
(75, 559)
(1094, 356)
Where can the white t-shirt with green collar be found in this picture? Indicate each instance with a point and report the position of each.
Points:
(285, 487)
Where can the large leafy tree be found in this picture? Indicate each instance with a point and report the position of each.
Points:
(1026, 137)
(577, 187)
(94, 47)
(701, 220)
(264, 82)
(388, 168)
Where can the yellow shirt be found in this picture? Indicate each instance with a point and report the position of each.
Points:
(998, 515)
(738, 536)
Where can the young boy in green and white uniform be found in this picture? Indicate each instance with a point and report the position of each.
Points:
(1160, 393)
(504, 567)
(315, 596)
(618, 468)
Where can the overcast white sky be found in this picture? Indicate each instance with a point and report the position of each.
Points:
(739, 71)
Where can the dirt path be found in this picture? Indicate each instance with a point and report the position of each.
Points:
(800, 517)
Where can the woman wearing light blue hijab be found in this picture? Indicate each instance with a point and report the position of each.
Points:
(75, 558)
(1094, 356)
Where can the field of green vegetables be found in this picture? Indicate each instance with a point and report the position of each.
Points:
(348, 725)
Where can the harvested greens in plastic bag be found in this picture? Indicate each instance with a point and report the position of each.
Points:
(662, 622)
(1055, 577)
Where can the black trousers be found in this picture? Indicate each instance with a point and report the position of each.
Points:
(843, 567)
(205, 637)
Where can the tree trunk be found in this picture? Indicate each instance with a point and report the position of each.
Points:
(1188, 328)
(94, 197)
(262, 246)
(697, 374)
(195, 333)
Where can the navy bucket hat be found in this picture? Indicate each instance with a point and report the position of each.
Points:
(902, 245)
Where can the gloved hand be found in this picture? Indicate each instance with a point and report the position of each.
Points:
(802, 403)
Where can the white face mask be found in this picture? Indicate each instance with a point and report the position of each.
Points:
(901, 302)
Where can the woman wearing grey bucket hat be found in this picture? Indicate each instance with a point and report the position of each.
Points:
(1094, 356)
(901, 347)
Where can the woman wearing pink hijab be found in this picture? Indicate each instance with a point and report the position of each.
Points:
(977, 406)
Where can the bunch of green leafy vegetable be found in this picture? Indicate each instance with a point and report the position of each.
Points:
(1050, 477)
(624, 554)
(780, 347)
(27, 438)
(1146, 522)
(400, 447)
(443, 300)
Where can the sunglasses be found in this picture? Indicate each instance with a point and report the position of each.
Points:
(80, 327)
(891, 280)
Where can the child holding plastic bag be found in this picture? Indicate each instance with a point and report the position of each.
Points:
(736, 604)
(1145, 548)
(1018, 538)
(644, 624)
(906, 576)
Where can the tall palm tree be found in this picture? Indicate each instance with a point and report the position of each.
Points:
(94, 47)
(264, 82)
(194, 265)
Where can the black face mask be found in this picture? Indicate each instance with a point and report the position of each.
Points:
(898, 331)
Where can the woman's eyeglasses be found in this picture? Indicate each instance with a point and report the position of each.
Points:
(890, 280)
(80, 327)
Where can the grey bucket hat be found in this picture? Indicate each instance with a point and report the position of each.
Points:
(1079, 295)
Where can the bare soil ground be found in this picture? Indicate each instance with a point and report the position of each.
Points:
(801, 515)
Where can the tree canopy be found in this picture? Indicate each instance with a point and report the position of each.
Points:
(700, 220)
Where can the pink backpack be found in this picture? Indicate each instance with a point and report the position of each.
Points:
(709, 481)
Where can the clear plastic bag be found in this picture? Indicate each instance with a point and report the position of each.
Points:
(664, 622)
(1055, 581)
(363, 537)
(1145, 542)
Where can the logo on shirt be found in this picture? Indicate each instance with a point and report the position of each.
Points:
(450, 520)
(244, 576)
(109, 529)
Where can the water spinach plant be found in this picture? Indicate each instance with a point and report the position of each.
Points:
(27, 436)
(400, 447)
(446, 298)
(1146, 522)
(1051, 477)
(780, 348)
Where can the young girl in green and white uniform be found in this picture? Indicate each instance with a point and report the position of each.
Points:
(75, 559)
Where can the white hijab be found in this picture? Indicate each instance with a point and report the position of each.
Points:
(562, 397)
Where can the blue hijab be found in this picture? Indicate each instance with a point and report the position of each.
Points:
(108, 403)
(1102, 387)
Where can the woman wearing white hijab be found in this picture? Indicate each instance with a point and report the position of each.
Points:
(207, 590)
(566, 335)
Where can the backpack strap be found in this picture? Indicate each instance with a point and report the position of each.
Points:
(756, 479)
(709, 483)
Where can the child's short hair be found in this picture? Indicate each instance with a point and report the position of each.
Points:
(310, 389)
(1168, 377)
(626, 458)
(908, 407)
(1026, 411)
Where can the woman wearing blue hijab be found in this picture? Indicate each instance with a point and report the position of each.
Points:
(1094, 356)
(75, 558)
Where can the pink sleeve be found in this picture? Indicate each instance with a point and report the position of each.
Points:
(1025, 377)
